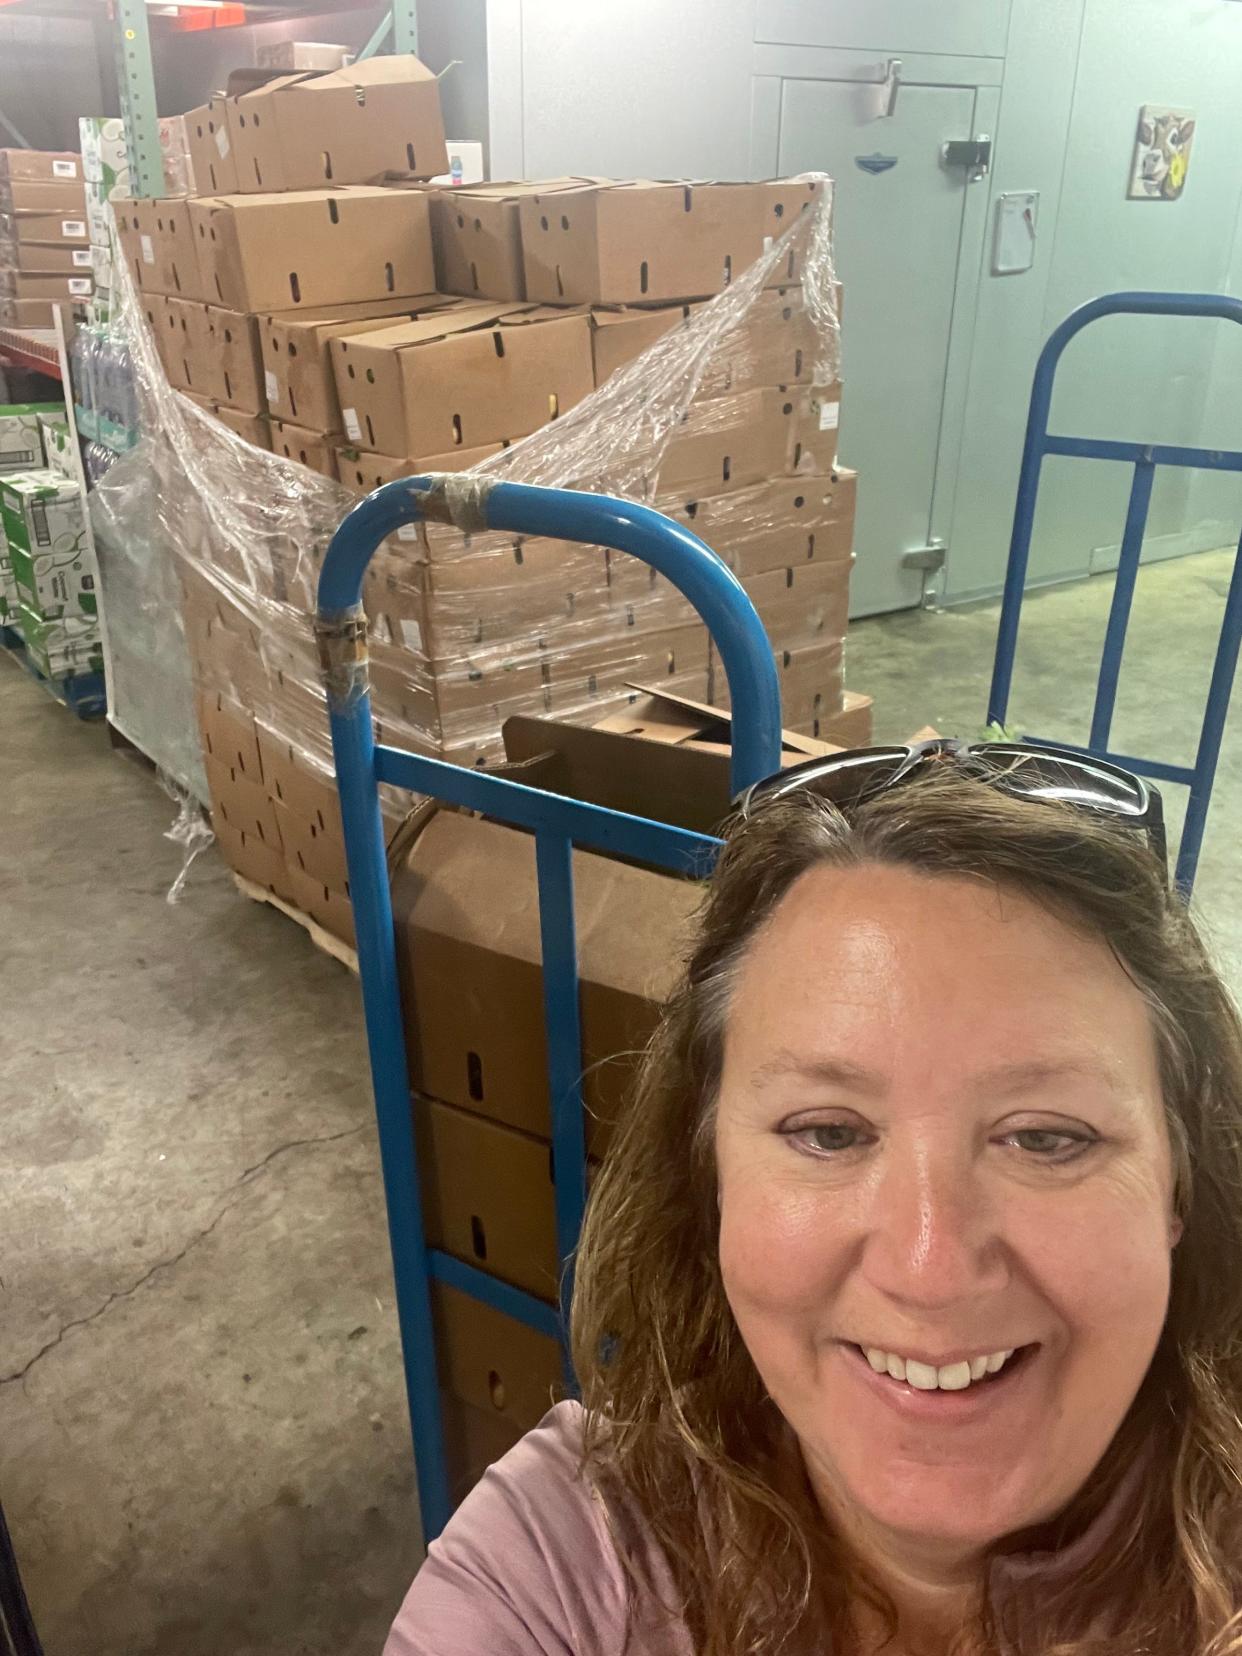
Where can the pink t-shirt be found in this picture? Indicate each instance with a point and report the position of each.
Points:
(528, 1566)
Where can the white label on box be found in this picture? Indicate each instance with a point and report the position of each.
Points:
(222, 141)
(272, 386)
(408, 532)
(412, 633)
(81, 284)
(767, 244)
(148, 251)
(829, 416)
(82, 257)
(72, 229)
(352, 428)
(64, 169)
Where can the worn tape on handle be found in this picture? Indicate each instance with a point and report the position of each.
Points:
(458, 498)
(342, 640)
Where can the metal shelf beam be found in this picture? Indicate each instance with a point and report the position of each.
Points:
(136, 82)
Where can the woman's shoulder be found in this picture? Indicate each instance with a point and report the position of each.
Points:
(529, 1563)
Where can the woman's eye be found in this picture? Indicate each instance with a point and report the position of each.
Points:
(826, 1139)
(1051, 1144)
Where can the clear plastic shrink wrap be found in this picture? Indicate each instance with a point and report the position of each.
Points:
(720, 421)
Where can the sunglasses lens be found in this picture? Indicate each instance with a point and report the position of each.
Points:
(844, 779)
(1064, 778)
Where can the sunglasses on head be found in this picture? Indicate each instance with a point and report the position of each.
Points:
(1042, 774)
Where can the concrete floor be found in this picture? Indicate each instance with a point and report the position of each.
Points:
(203, 1445)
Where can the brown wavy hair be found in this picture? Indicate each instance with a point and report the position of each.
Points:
(677, 1423)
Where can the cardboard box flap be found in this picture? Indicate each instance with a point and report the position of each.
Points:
(679, 774)
(437, 325)
(390, 70)
(474, 881)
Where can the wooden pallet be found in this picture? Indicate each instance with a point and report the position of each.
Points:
(319, 937)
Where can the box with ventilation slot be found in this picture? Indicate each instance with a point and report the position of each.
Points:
(782, 521)
(460, 378)
(364, 471)
(350, 126)
(478, 235)
(155, 237)
(608, 242)
(297, 364)
(210, 147)
(312, 247)
(309, 448)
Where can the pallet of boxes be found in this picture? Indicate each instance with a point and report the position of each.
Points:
(45, 257)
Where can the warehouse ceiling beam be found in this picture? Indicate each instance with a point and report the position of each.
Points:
(136, 81)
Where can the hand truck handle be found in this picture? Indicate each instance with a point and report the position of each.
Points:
(477, 504)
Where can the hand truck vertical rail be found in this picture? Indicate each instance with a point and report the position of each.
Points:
(557, 823)
(1144, 457)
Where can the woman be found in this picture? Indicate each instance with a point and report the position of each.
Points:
(908, 1313)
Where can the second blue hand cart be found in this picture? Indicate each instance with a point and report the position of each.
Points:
(557, 823)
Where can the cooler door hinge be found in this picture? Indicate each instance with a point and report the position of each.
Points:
(975, 154)
(930, 557)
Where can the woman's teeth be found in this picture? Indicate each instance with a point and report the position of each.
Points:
(953, 1377)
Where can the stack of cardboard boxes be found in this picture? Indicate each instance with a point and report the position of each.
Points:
(328, 301)
(106, 171)
(47, 563)
(45, 256)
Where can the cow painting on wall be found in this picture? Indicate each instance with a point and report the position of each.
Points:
(1161, 153)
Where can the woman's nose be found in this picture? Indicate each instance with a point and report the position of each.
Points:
(930, 1237)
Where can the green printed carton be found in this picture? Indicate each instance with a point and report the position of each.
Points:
(44, 520)
(20, 447)
(8, 586)
(61, 648)
(57, 443)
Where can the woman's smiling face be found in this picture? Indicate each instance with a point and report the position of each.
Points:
(940, 1135)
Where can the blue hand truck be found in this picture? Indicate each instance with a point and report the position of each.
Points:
(1144, 457)
(557, 823)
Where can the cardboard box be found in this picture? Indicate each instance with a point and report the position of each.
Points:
(309, 448)
(45, 165)
(44, 520)
(155, 237)
(851, 727)
(36, 195)
(253, 427)
(474, 1439)
(461, 378)
(351, 126)
(301, 54)
(812, 683)
(726, 443)
(299, 383)
(28, 313)
(235, 369)
(210, 148)
(21, 441)
(814, 431)
(478, 236)
(364, 472)
(642, 242)
(777, 342)
(619, 336)
(773, 524)
(63, 647)
(488, 1196)
(17, 284)
(802, 604)
(468, 924)
(39, 259)
(313, 247)
(50, 229)
(498, 1366)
